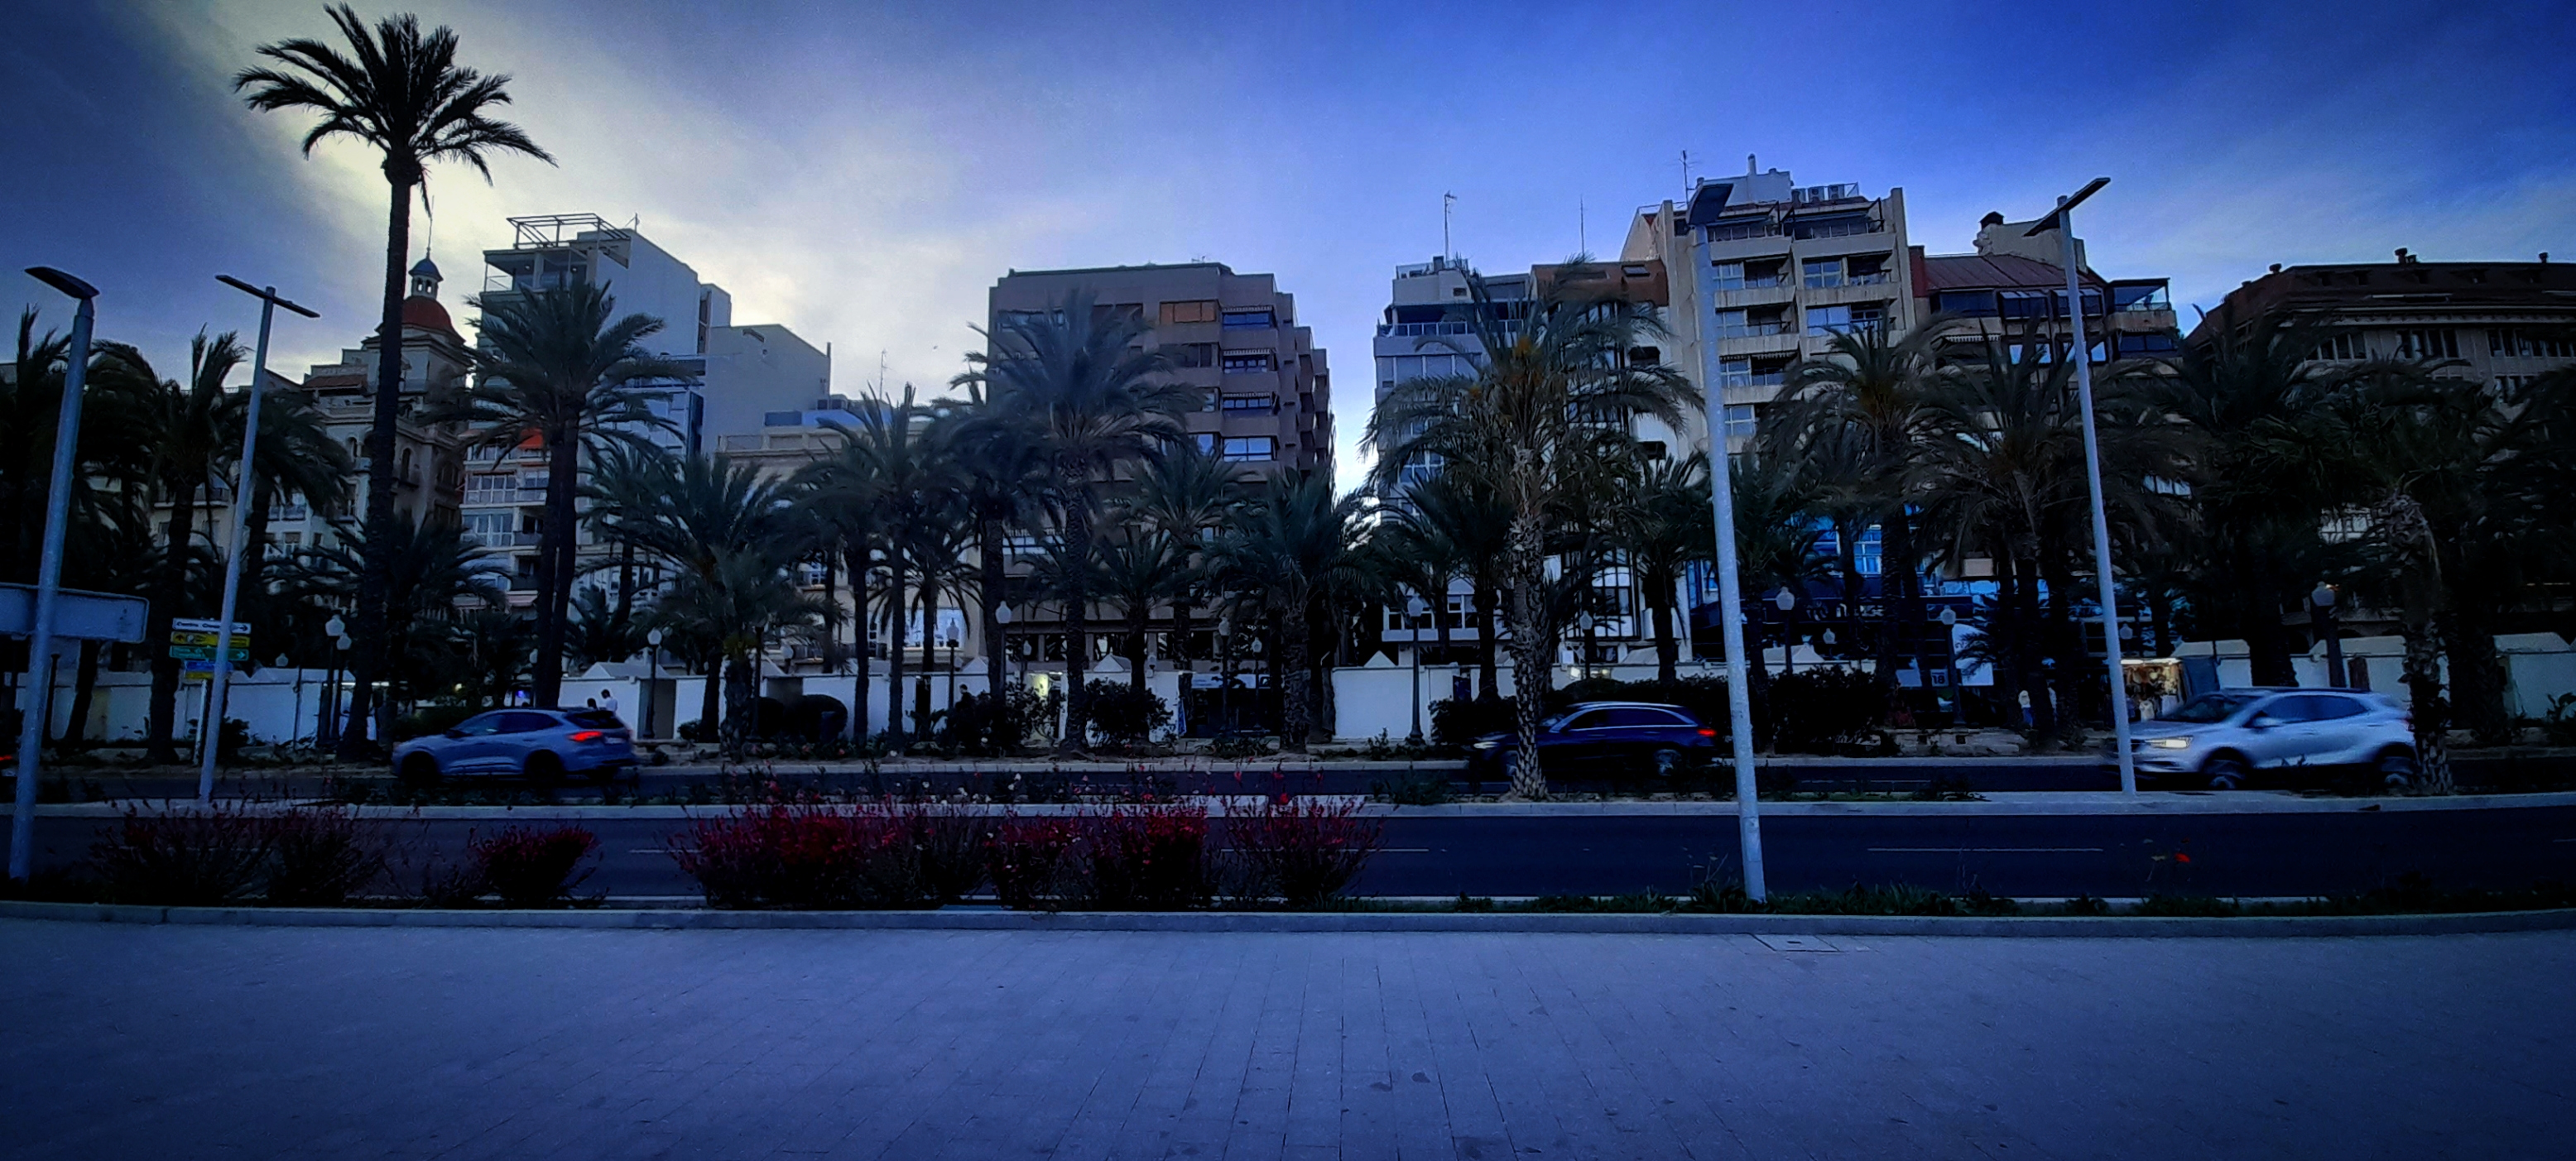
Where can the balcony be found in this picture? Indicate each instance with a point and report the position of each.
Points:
(1756, 330)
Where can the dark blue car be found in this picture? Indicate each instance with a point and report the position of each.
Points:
(1614, 740)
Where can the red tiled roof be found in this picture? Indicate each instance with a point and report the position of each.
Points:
(426, 314)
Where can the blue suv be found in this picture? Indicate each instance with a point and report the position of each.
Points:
(543, 745)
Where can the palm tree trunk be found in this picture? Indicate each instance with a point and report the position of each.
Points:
(2401, 525)
(1487, 607)
(2027, 648)
(1528, 565)
(2267, 641)
(991, 566)
(741, 676)
(710, 704)
(929, 656)
(1296, 707)
(2069, 675)
(1667, 648)
(898, 605)
(1077, 611)
(1139, 623)
(84, 693)
(1440, 626)
(1905, 604)
(375, 575)
(855, 555)
(2477, 676)
(170, 595)
(554, 564)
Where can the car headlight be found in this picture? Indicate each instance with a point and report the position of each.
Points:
(1487, 745)
(2170, 743)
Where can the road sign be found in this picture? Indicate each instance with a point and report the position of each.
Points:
(205, 640)
(197, 671)
(80, 615)
(206, 653)
(198, 625)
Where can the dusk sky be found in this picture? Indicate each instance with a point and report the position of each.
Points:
(864, 176)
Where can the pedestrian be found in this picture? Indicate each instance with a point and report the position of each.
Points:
(608, 701)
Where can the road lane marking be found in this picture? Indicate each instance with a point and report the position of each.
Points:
(1985, 850)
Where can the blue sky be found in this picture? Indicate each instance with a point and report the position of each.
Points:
(862, 175)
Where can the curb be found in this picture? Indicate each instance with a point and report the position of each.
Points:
(1215, 923)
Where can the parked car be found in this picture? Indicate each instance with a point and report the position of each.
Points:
(2229, 739)
(1603, 739)
(541, 744)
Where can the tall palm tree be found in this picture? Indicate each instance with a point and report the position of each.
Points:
(112, 466)
(1188, 495)
(295, 458)
(186, 437)
(1413, 555)
(1464, 514)
(1003, 470)
(1098, 400)
(1553, 392)
(1667, 525)
(1296, 548)
(560, 365)
(439, 575)
(840, 493)
(400, 92)
(1140, 568)
(909, 482)
(723, 532)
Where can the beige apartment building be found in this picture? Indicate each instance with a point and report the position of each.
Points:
(2499, 323)
(1268, 394)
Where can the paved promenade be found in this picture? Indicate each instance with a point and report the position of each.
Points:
(262, 1042)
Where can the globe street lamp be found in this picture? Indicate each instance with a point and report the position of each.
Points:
(1583, 622)
(1784, 600)
(1413, 611)
(652, 638)
(1002, 617)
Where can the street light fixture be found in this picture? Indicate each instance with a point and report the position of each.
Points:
(243, 489)
(1414, 609)
(36, 692)
(1730, 596)
(2323, 600)
(2062, 219)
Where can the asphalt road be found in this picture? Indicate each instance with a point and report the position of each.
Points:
(2025, 855)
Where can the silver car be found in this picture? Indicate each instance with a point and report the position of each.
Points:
(2228, 739)
(543, 745)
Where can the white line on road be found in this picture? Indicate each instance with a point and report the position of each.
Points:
(1985, 850)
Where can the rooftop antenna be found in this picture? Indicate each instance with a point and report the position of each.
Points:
(1686, 185)
(1446, 250)
(1582, 227)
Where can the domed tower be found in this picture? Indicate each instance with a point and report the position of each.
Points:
(424, 278)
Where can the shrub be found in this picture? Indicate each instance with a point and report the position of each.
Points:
(1413, 789)
(1306, 851)
(1029, 859)
(805, 855)
(1125, 714)
(2559, 726)
(533, 866)
(1827, 711)
(1146, 857)
(949, 845)
(319, 857)
(991, 725)
(184, 857)
(1456, 723)
(1239, 746)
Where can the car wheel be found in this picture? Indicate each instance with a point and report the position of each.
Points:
(419, 770)
(2397, 768)
(544, 769)
(1668, 762)
(2227, 772)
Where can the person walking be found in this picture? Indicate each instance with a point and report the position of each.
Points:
(608, 701)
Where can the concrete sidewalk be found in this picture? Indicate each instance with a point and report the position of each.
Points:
(224, 1042)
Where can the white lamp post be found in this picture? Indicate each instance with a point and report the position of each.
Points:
(2062, 218)
(1730, 593)
(1785, 600)
(652, 690)
(2323, 600)
(243, 488)
(35, 695)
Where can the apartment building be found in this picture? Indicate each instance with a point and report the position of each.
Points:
(1766, 273)
(1267, 390)
(2498, 323)
(2013, 287)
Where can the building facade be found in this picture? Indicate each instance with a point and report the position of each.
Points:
(2013, 288)
(2498, 323)
(1267, 390)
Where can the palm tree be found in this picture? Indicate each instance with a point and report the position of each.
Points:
(1188, 495)
(908, 482)
(1296, 548)
(725, 533)
(1668, 525)
(840, 494)
(1553, 393)
(1466, 516)
(1097, 400)
(439, 574)
(1413, 555)
(186, 438)
(559, 365)
(400, 92)
(1003, 468)
(296, 457)
(111, 467)
(1138, 569)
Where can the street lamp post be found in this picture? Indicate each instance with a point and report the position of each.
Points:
(653, 688)
(1784, 600)
(1583, 622)
(1413, 608)
(2062, 218)
(992, 681)
(1225, 674)
(1730, 596)
(35, 694)
(242, 493)
(2323, 599)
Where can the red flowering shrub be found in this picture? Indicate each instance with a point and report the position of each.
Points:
(1030, 860)
(1147, 857)
(1305, 851)
(532, 866)
(815, 856)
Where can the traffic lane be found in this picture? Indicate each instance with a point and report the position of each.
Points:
(2019, 855)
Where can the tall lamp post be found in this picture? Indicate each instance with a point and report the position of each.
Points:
(1730, 596)
(653, 688)
(2323, 599)
(35, 694)
(2062, 219)
(1583, 622)
(1413, 610)
(1784, 600)
(1002, 617)
(242, 493)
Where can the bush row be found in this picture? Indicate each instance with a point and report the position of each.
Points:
(1142, 856)
(323, 857)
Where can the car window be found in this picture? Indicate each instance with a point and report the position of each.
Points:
(2295, 708)
(2208, 708)
(1589, 720)
(526, 723)
(480, 725)
(2330, 707)
(595, 719)
(1644, 718)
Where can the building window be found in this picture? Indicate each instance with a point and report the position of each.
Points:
(2145, 345)
(1727, 275)
(1734, 373)
(1247, 362)
(2136, 296)
(2348, 345)
(1651, 449)
(1250, 448)
(1190, 355)
(1766, 275)
(1193, 311)
(1970, 303)
(1739, 231)
(1742, 421)
(2514, 343)
(490, 489)
(1206, 441)
(2428, 343)
(1828, 320)
(1865, 270)
(1822, 273)
(1239, 319)
(1252, 403)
